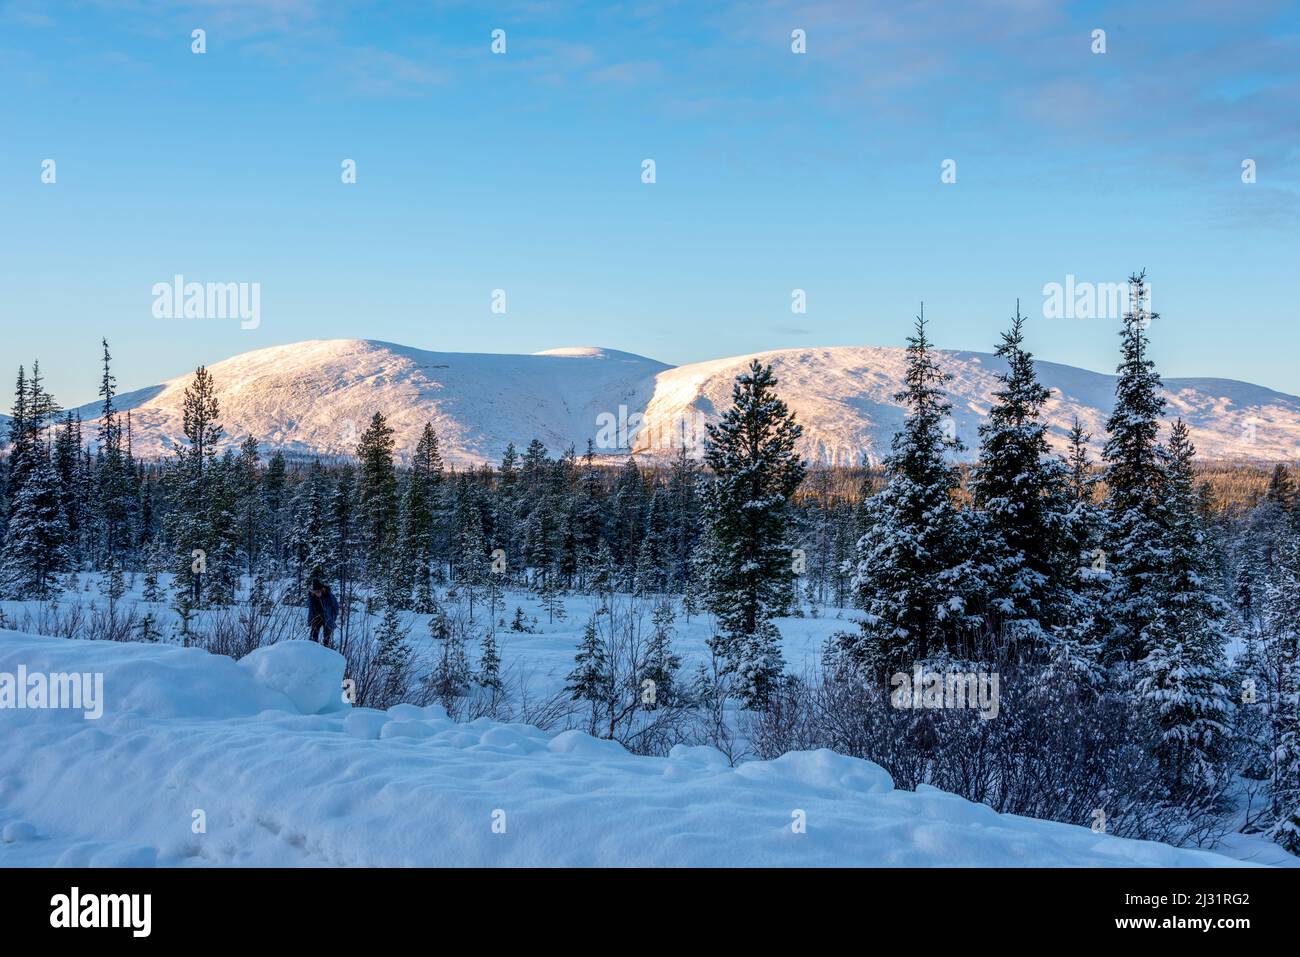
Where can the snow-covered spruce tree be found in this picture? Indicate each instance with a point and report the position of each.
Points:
(22, 439)
(474, 567)
(113, 584)
(111, 470)
(36, 547)
(419, 522)
(450, 678)
(588, 517)
(591, 679)
(343, 553)
(1018, 488)
(1077, 635)
(1280, 691)
(542, 531)
(1135, 487)
(684, 522)
(603, 578)
(74, 483)
(661, 663)
(912, 559)
(628, 521)
(489, 663)
(275, 495)
(32, 419)
(1183, 678)
(551, 596)
(221, 580)
(379, 506)
(190, 479)
(309, 546)
(392, 652)
(249, 506)
(155, 562)
(1259, 542)
(756, 471)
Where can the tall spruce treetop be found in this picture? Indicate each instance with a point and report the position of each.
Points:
(113, 480)
(1135, 480)
(1132, 450)
(109, 430)
(756, 470)
(199, 421)
(1018, 489)
(21, 438)
(911, 559)
(33, 412)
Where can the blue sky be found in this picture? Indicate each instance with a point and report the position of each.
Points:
(522, 172)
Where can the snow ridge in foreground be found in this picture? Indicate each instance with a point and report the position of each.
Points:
(184, 731)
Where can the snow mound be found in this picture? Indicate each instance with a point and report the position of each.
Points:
(335, 786)
(17, 831)
(308, 674)
(161, 681)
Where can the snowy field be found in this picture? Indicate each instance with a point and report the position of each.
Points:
(185, 733)
(279, 770)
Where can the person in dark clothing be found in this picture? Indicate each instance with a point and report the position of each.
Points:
(322, 612)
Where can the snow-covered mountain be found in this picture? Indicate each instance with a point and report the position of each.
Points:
(315, 397)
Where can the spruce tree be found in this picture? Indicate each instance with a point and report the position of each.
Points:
(1279, 670)
(250, 507)
(662, 664)
(1018, 490)
(22, 438)
(379, 507)
(474, 563)
(1184, 675)
(275, 492)
(36, 547)
(591, 679)
(189, 528)
(912, 556)
(66, 459)
(756, 470)
(418, 517)
(309, 544)
(342, 554)
(489, 663)
(112, 468)
(1081, 628)
(451, 675)
(392, 655)
(221, 531)
(1135, 486)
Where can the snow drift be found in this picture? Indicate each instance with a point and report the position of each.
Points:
(199, 760)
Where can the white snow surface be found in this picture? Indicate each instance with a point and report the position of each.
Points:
(315, 397)
(184, 732)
